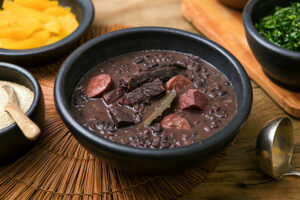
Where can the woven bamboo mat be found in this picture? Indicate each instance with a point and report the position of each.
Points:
(58, 167)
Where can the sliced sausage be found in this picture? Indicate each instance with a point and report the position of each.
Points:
(179, 82)
(98, 85)
(175, 121)
(192, 98)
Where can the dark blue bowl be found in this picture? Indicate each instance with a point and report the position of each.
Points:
(281, 65)
(84, 11)
(13, 143)
(117, 43)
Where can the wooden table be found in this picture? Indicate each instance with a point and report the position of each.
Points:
(238, 175)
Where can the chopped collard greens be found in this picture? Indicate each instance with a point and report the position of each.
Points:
(282, 27)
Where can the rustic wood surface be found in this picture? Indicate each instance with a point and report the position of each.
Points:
(238, 176)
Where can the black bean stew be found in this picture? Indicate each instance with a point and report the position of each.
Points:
(154, 99)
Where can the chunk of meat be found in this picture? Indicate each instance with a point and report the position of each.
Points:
(175, 121)
(143, 93)
(113, 95)
(164, 73)
(135, 81)
(192, 98)
(175, 66)
(121, 116)
(179, 82)
(98, 85)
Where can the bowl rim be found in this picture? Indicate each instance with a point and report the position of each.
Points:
(221, 138)
(36, 91)
(251, 30)
(87, 18)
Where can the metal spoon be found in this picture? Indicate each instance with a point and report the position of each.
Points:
(28, 127)
(274, 148)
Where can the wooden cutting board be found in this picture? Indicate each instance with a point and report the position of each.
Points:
(224, 26)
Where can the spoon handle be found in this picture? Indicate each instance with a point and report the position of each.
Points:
(291, 171)
(28, 127)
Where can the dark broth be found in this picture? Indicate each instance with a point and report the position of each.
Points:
(220, 109)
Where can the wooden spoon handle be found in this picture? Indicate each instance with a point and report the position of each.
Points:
(28, 127)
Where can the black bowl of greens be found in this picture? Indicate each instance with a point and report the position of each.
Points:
(273, 33)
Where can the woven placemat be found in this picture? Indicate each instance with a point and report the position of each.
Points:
(58, 167)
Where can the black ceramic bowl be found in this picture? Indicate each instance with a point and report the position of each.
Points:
(12, 141)
(84, 11)
(117, 43)
(281, 65)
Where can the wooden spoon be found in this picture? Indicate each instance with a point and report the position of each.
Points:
(30, 130)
